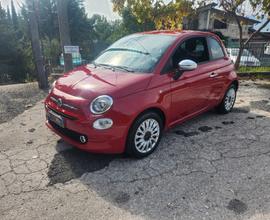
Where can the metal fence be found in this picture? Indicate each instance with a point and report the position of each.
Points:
(255, 54)
(260, 50)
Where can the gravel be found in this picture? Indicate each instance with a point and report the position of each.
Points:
(16, 98)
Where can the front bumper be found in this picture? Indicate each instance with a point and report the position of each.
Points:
(110, 141)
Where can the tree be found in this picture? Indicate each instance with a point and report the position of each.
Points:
(155, 12)
(14, 15)
(12, 67)
(48, 20)
(236, 8)
(36, 44)
(131, 23)
(80, 27)
(9, 15)
(63, 22)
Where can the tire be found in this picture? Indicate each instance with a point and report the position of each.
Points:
(228, 100)
(144, 135)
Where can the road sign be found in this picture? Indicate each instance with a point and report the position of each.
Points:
(71, 49)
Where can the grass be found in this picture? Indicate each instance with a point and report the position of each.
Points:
(260, 72)
(249, 69)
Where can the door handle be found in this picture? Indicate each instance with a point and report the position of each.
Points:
(212, 75)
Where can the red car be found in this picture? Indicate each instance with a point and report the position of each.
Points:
(139, 87)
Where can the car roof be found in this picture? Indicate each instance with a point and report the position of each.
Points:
(180, 33)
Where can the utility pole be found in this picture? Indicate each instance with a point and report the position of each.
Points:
(36, 45)
(64, 32)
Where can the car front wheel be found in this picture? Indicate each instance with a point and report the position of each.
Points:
(144, 135)
(228, 101)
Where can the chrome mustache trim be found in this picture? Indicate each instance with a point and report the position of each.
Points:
(60, 103)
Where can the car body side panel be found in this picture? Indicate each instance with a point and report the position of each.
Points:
(222, 69)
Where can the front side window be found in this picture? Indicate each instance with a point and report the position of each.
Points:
(139, 52)
(215, 49)
(194, 49)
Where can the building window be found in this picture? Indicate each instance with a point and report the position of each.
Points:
(220, 24)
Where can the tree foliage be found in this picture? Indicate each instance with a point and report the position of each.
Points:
(263, 6)
(156, 14)
(11, 52)
(91, 34)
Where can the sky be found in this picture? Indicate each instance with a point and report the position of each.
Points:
(103, 7)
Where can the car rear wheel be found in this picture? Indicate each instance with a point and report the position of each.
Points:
(228, 101)
(144, 135)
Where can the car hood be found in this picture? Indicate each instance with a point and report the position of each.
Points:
(88, 82)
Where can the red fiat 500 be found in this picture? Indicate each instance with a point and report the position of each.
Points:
(140, 86)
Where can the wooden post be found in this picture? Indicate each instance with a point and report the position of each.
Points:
(64, 32)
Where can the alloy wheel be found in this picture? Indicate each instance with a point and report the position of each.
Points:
(147, 135)
(229, 99)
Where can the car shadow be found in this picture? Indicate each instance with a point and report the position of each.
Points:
(73, 163)
(176, 178)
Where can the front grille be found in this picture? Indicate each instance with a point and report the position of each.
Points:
(62, 114)
(69, 133)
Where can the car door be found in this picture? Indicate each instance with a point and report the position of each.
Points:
(189, 93)
(220, 67)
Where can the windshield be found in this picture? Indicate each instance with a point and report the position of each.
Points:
(139, 52)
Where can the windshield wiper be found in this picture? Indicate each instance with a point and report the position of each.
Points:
(124, 68)
(127, 49)
(103, 65)
(112, 67)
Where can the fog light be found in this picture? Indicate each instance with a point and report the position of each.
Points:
(103, 123)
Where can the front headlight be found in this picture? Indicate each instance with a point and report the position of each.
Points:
(101, 104)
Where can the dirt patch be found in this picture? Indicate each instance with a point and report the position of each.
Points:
(261, 105)
(186, 134)
(122, 197)
(16, 98)
(241, 110)
(264, 86)
(205, 129)
(237, 206)
(228, 122)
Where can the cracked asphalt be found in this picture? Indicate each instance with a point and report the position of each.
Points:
(212, 167)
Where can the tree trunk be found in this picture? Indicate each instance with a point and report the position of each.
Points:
(238, 59)
(241, 45)
(64, 32)
(36, 46)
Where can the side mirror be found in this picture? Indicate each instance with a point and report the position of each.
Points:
(184, 65)
(187, 65)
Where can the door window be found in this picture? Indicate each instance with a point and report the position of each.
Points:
(215, 49)
(193, 49)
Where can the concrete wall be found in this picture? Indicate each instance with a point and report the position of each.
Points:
(232, 30)
(202, 20)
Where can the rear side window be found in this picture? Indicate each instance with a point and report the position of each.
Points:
(215, 49)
